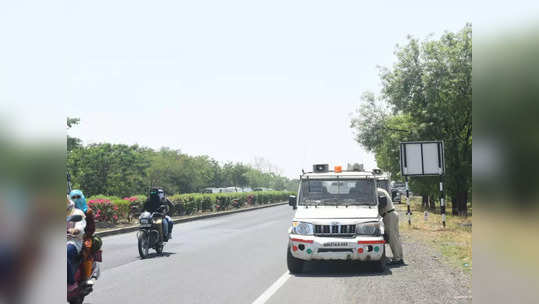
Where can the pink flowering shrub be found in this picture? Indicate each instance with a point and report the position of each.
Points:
(104, 210)
(131, 207)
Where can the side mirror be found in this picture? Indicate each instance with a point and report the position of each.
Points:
(382, 201)
(292, 201)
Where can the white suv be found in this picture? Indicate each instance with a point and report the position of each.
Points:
(336, 219)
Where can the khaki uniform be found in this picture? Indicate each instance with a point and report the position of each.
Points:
(391, 225)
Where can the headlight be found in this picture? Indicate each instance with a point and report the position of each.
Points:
(302, 228)
(369, 229)
(144, 221)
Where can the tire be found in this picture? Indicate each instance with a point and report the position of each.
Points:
(380, 266)
(78, 300)
(295, 266)
(143, 245)
(159, 248)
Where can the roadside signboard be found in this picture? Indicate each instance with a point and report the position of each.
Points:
(423, 158)
(420, 158)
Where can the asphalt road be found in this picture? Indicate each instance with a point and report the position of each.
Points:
(241, 258)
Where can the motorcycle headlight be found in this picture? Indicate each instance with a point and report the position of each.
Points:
(302, 228)
(369, 228)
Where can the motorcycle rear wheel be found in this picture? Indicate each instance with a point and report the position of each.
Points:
(159, 249)
(78, 300)
(143, 245)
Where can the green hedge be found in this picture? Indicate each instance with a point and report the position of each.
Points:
(185, 204)
(191, 203)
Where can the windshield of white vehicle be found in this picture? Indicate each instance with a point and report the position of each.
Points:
(338, 192)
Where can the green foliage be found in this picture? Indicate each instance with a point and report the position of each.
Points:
(104, 209)
(121, 170)
(72, 142)
(426, 95)
(186, 204)
(111, 209)
(108, 169)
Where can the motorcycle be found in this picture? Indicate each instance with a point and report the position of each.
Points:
(150, 234)
(77, 296)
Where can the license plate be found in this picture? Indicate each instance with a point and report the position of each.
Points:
(98, 256)
(336, 244)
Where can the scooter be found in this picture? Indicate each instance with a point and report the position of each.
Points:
(77, 296)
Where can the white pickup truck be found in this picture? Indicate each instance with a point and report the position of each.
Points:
(336, 219)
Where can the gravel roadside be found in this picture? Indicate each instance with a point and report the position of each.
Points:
(426, 278)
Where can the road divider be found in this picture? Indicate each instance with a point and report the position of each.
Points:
(183, 219)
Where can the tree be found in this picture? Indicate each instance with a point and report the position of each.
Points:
(428, 93)
(123, 170)
(72, 142)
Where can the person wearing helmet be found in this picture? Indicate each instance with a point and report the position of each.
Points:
(154, 202)
(391, 224)
(75, 231)
(87, 262)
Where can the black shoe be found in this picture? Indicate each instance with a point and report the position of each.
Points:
(396, 263)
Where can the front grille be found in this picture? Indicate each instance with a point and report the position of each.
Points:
(335, 230)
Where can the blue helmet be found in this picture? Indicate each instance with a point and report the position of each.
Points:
(78, 198)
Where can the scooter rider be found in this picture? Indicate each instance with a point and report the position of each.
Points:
(80, 203)
(391, 224)
(154, 202)
(75, 232)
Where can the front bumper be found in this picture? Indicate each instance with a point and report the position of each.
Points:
(360, 248)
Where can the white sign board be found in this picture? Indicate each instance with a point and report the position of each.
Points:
(422, 158)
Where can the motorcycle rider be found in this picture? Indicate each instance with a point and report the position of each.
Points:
(154, 202)
(74, 242)
(80, 203)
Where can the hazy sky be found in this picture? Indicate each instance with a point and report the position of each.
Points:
(231, 79)
(238, 79)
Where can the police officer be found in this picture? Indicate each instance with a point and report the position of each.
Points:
(391, 224)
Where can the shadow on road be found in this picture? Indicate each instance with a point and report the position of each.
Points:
(156, 255)
(341, 269)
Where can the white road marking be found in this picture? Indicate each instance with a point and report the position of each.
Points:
(272, 289)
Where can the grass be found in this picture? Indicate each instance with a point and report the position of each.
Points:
(454, 241)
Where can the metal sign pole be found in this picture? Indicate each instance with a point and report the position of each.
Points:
(442, 202)
(409, 213)
(68, 183)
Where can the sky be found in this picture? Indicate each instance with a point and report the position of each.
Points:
(232, 79)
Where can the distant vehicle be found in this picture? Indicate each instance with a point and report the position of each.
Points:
(395, 195)
(210, 190)
(229, 189)
(383, 181)
(336, 219)
(397, 190)
(262, 189)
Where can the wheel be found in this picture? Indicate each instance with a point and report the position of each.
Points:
(159, 249)
(78, 300)
(294, 265)
(143, 245)
(380, 266)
